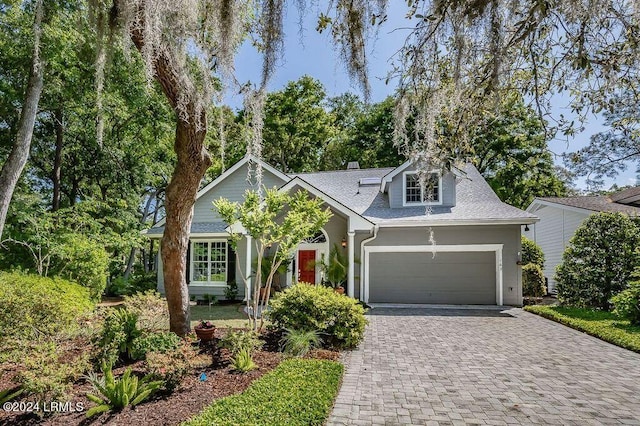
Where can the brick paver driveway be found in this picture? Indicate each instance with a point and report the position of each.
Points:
(435, 366)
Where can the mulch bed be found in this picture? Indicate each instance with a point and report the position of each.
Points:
(189, 399)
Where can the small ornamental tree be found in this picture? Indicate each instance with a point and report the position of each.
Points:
(279, 220)
(598, 261)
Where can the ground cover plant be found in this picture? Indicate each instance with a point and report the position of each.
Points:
(601, 324)
(297, 392)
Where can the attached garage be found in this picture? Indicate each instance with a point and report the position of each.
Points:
(455, 275)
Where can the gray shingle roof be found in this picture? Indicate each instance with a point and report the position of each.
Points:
(475, 200)
(627, 196)
(196, 228)
(600, 203)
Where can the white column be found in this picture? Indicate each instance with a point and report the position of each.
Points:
(247, 267)
(350, 274)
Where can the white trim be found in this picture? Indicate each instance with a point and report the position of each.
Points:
(247, 268)
(322, 251)
(361, 296)
(356, 222)
(350, 272)
(457, 222)
(393, 173)
(226, 263)
(461, 248)
(423, 203)
(538, 202)
(229, 172)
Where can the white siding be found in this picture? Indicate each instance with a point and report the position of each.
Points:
(552, 234)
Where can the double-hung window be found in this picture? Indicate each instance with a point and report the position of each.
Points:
(416, 194)
(209, 262)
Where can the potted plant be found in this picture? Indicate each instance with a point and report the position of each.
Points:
(336, 269)
(205, 330)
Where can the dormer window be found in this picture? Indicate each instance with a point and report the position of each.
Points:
(416, 195)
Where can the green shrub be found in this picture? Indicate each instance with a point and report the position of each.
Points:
(242, 361)
(627, 303)
(531, 253)
(7, 395)
(33, 307)
(154, 342)
(137, 283)
(151, 309)
(173, 365)
(598, 261)
(231, 291)
(297, 392)
(117, 394)
(237, 341)
(48, 374)
(308, 307)
(118, 335)
(80, 259)
(300, 342)
(533, 281)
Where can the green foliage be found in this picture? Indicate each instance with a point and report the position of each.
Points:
(34, 307)
(115, 394)
(531, 253)
(601, 324)
(151, 309)
(598, 261)
(626, 304)
(7, 395)
(336, 267)
(308, 307)
(533, 281)
(300, 342)
(242, 361)
(231, 291)
(510, 151)
(118, 336)
(238, 341)
(171, 366)
(137, 283)
(154, 342)
(297, 392)
(48, 374)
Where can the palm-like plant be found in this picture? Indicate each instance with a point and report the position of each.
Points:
(336, 267)
(117, 394)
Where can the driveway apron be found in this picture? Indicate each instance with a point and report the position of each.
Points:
(454, 366)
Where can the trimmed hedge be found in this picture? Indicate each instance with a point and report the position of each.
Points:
(339, 319)
(297, 392)
(531, 252)
(31, 305)
(601, 324)
(533, 281)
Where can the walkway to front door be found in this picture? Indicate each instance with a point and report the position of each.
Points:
(453, 366)
(306, 266)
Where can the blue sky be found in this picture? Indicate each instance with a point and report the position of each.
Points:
(314, 54)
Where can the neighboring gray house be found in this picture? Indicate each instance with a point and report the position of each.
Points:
(382, 221)
(561, 216)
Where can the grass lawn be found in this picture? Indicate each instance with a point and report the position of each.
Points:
(603, 325)
(297, 392)
(220, 315)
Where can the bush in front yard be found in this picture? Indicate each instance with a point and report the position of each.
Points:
(533, 281)
(340, 319)
(32, 306)
(531, 253)
(598, 261)
(627, 303)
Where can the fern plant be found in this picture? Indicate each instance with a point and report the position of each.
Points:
(117, 394)
(243, 362)
(300, 342)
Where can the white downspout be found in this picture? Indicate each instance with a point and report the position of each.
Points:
(364, 267)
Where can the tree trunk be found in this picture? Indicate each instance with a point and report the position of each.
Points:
(193, 161)
(56, 173)
(12, 168)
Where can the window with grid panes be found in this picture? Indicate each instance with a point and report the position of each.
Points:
(414, 193)
(209, 261)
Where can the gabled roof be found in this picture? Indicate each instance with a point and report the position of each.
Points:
(587, 204)
(247, 158)
(402, 167)
(356, 221)
(627, 196)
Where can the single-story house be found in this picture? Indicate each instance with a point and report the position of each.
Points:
(383, 219)
(561, 216)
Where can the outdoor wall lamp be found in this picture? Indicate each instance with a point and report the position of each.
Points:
(344, 242)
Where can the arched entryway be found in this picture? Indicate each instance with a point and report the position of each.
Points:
(309, 255)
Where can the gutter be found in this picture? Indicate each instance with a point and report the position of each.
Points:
(362, 260)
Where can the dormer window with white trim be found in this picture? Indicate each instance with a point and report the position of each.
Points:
(415, 194)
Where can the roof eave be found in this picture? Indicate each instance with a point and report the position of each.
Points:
(457, 222)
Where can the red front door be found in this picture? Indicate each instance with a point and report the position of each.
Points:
(306, 266)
